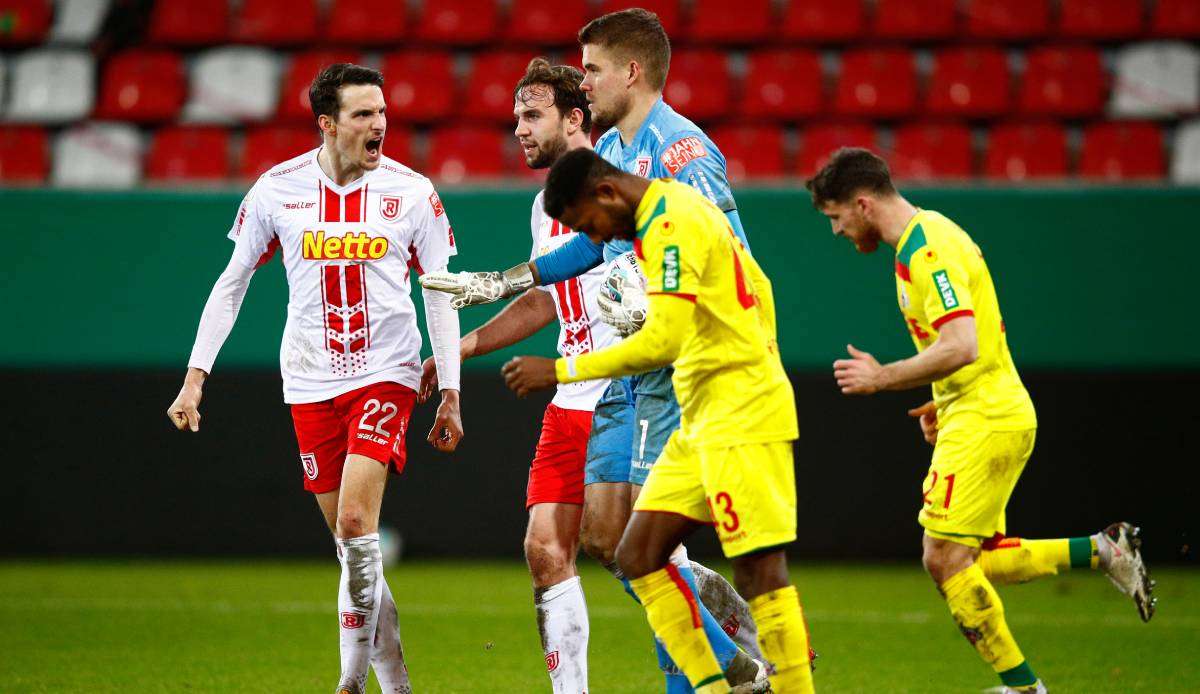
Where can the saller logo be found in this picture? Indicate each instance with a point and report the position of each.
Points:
(681, 153)
(949, 298)
(671, 269)
(356, 245)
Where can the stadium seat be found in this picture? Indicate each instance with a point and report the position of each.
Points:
(23, 155)
(751, 151)
(721, 21)
(1176, 19)
(1100, 19)
(970, 82)
(1156, 80)
(1185, 168)
(458, 22)
(493, 76)
(545, 22)
(455, 153)
(668, 12)
(698, 84)
(24, 22)
(184, 153)
(420, 86)
(1020, 151)
(782, 84)
(1062, 81)
(51, 86)
(142, 86)
(931, 152)
(366, 22)
(915, 19)
(823, 20)
(97, 155)
(189, 22)
(879, 82)
(77, 22)
(293, 97)
(231, 84)
(268, 145)
(276, 22)
(1117, 151)
(1008, 20)
(818, 142)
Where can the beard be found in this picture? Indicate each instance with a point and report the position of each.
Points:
(547, 153)
(869, 240)
(602, 120)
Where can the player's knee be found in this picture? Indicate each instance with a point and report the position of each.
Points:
(942, 562)
(549, 561)
(599, 547)
(353, 522)
(636, 560)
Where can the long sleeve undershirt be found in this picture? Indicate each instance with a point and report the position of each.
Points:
(444, 337)
(220, 313)
(655, 345)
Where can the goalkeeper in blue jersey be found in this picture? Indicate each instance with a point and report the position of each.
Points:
(626, 56)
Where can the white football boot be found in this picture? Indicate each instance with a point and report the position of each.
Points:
(1121, 559)
(1037, 688)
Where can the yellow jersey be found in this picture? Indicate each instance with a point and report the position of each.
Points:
(940, 276)
(729, 379)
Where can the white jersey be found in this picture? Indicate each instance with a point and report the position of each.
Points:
(347, 251)
(579, 326)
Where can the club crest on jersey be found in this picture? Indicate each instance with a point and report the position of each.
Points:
(436, 202)
(309, 461)
(389, 207)
(682, 153)
(643, 167)
(552, 661)
(356, 245)
(352, 620)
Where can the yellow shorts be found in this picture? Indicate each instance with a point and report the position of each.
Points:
(746, 492)
(969, 482)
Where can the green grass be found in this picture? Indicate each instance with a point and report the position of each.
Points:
(254, 626)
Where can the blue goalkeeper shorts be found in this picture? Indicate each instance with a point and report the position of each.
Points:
(633, 420)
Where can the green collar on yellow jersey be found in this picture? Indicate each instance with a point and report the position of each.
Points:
(643, 209)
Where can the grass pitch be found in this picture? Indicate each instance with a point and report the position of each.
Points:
(255, 626)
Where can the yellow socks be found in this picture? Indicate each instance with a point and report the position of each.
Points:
(675, 618)
(976, 608)
(783, 637)
(1014, 560)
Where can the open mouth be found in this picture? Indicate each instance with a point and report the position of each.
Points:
(528, 147)
(374, 146)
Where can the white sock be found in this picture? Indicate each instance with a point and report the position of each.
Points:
(563, 623)
(387, 654)
(359, 595)
(728, 608)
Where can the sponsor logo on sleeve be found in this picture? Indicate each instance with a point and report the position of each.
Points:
(670, 269)
(389, 207)
(945, 290)
(682, 153)
(436, 202)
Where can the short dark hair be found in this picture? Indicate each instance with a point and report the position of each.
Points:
(850, 170)
(323, 92)
(564, 80)
(633, 34)
(574, 172)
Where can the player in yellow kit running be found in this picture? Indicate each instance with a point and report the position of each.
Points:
(729, 465)
(981, 420)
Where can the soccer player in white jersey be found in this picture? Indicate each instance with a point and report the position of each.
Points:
(351, 224)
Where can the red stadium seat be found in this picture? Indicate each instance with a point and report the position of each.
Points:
(1020, 151)
(266, 146)
(24, 22)
(546, 22)
(1008, 19)
(1063, 81)
(189, 154)
(721, 21)
(818, 142)
(420, 86)
(366, 22)
(189, 22)
(823, 20)
(970, 82)
(783, 84)
(876, 82)
(751, 151)
(459, 22)
(142, 86)
(1122, 151)
(490, 86)
(1176, 19)
(915, 19)
(456, 153)
(930, 151)
(698, 84)
(24, 155)
(667, 10)
(293, 96)
(1100, 19)
(276, 22)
